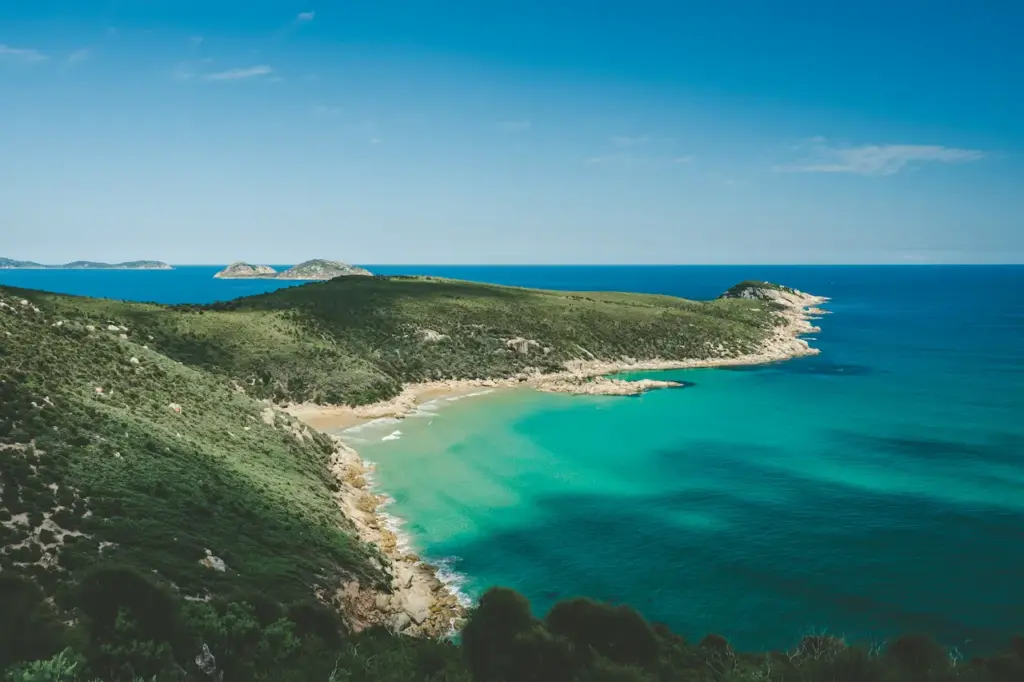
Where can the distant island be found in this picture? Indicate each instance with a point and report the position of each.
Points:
(10, 264)
(316, 269)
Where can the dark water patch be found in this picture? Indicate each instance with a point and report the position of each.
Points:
(803, 366)
(1000, 448)
(731, 579)
(827, 369)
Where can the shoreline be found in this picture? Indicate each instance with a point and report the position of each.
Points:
(420, 602)
(581, 377)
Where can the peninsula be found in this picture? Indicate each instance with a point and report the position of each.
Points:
(162, 508)
(311, 270)
(10, 264)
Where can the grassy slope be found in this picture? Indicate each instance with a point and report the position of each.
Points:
(164, 486)
(357, 339)
(123, 467)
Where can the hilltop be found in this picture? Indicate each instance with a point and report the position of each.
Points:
(154, 496)
(242, 270)
(311, 270)
(320, 269)
(7, 263)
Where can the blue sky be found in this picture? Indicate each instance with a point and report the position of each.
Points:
(386, 131)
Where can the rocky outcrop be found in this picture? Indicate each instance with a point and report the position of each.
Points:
(416, 602)
(581, 385)
(775, 293)
(240, 270)
(319, 269)
(521, 346)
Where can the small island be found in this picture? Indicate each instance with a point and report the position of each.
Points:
(241, 270)
(11, 264)
(317, 269)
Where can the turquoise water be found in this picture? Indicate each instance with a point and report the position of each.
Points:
(873, 489)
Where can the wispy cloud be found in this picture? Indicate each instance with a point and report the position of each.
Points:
(197, 40)
(514, 126)
(306, 16)
(873, 159)
(24, 55)
(78, 56)
(239, 74)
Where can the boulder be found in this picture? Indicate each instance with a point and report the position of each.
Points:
(400, 622)
(417, 605)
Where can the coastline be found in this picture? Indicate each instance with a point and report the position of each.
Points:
(420, 601)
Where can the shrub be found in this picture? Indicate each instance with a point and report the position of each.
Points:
(917, 653)
(29, 628)
(314, 619)
(618, 633)
(62, 667)
(488, 639)
(111, 598)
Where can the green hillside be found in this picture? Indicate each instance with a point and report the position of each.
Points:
(140, 455)
(358, 339)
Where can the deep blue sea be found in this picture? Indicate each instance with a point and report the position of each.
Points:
(873, 489)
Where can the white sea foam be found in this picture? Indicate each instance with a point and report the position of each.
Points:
(380, 421)
(430, 405)
(446, 573)
(452, 579)
(394, 435)
(456, 398)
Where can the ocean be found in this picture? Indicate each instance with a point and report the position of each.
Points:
(874, 489)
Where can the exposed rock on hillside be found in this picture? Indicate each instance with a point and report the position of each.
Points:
(319, 269)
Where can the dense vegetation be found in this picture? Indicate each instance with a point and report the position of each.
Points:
(131, 628)
(138, 458)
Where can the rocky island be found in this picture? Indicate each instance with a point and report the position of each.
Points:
(10, 264)
(241, 270)
(319, 269)
(311, 270)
